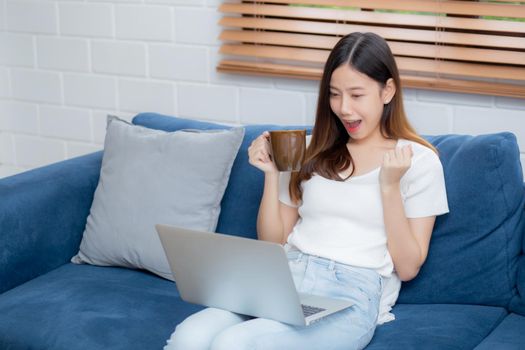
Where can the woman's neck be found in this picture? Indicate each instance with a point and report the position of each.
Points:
(372, 143)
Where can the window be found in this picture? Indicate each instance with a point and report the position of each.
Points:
(462, 46)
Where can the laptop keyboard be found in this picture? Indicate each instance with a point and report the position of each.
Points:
(311, 310)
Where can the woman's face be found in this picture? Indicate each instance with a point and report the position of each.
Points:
(358, 101)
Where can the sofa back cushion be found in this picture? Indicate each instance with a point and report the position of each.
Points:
(474, 252)
(517, 304)
(475, 249)
(240, 202)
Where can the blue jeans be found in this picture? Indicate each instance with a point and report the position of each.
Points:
(352, 328)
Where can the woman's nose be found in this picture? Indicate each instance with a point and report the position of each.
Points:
(346, 106)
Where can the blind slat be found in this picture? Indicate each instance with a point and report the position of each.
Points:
(374, 17)
(404, 63)
(270, 68)
(461, 69)
(285, 53)
(286, 39)
(440, 44)
(398, 48)
(477, 87)
(470, 8)
(338, 29)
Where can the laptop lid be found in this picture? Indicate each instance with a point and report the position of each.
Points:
(242, 275)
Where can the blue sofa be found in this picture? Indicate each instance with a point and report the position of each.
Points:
(470, 294)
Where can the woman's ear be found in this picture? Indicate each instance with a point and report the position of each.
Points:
(389, 90)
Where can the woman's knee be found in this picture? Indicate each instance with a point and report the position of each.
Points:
(254, 334)
(230, 339)
(187, 336)
(198, 330)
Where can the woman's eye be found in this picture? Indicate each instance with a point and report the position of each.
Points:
(356, 96)
(333, 94)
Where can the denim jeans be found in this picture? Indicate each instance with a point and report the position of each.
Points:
(351, 328)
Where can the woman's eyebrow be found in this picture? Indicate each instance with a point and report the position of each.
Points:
(350, 88)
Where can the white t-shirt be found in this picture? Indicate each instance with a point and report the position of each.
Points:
(343, 220)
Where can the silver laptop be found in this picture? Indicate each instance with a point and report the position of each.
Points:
(241, 275)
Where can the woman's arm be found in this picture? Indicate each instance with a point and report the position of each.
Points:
(275, 220)
(408, 239)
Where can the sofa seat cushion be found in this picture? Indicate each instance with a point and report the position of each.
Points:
(437, 326)
(509, 335)
(88, 307)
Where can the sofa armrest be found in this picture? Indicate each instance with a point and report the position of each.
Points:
(43, 214)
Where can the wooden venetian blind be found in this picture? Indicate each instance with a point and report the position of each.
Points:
(463, 46)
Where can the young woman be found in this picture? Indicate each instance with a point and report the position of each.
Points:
(356, 219)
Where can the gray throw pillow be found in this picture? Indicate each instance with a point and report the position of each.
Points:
(149, 177)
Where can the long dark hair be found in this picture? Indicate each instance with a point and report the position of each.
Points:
(327, 154)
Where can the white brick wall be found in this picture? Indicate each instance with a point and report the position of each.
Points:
(75, 149)
(90, 91)
(65, 123)
(99, 123)
(18, 117)
(144, 22)
(119, 58)
(4, 82)
(86, 19)
(146, 96)
(34, 85)
(429, 118)
(208, 102)
(62, 54)
(7, 151)
(197, 25)
(2, 15)
(179, 63)
(66, 64)
(17, 50)
(259, 106)
(34, 151)
(32, 16)
(477, 121)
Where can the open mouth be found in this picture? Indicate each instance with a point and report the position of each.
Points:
(352, 126)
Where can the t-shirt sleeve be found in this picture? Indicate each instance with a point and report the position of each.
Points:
(284, 192)
(426, 194)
